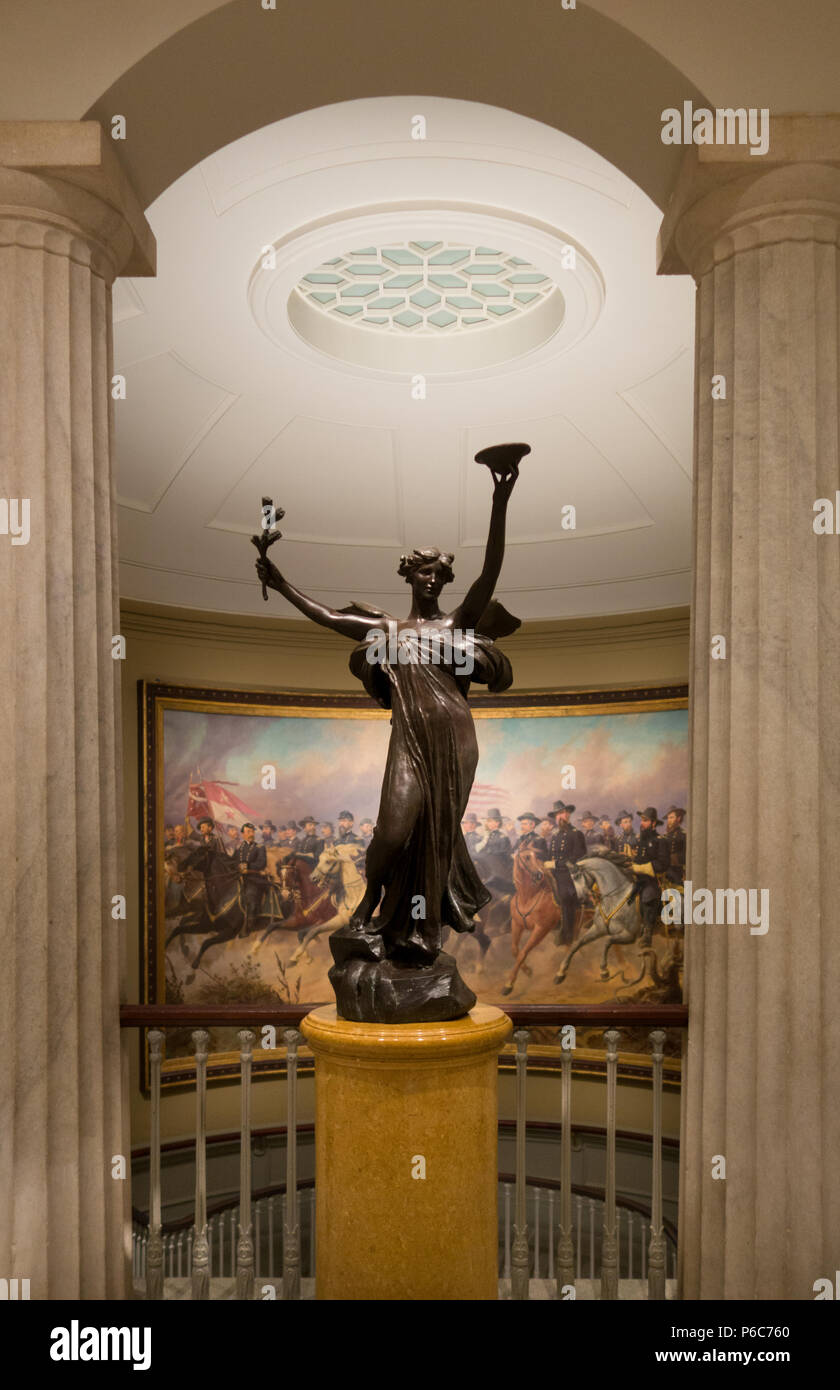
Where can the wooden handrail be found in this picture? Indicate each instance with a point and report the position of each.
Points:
(522, 1015)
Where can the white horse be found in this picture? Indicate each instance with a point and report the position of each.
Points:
(615, 918)
(337, 869)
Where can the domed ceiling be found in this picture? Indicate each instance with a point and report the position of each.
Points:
(344, 314)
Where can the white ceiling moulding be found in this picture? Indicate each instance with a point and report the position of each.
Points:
(557, 322)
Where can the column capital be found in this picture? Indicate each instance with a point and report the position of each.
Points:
(62, 188)
(728, 200)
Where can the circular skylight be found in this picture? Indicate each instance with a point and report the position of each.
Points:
(424, 288)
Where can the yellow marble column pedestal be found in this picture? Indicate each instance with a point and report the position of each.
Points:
(393, 1102)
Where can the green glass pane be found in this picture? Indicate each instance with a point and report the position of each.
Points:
(525, 296)
(474, 319)
(387, 303)
(425, 245)
(486, 251)
(425, 298)
(360, 292)
(532, 278)
(374, 319)
(449, 257)
(398, 257)
(517, 260)
(323, 296)
(448, 282)
(408, 319)
(363, 251)
(336, 260)
(402, 282)
(500, 309)
(462, 301)
(491, 291)
(320, 277)
(367, 270)
(483, 269)
(442, 318)
(348, 309)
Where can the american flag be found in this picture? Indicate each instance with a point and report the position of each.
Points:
(483, 796)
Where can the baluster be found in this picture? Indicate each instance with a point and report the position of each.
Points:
(312, 1232)
(519, 1273)
(154, 1253)
(591, 1238)
(506, 1270)
(579, 1242)
(565, 1244)
(245, 1244)
(201, 1249)
(179, 1249)
(537, 1211)
(551, 1233)
(631, 1221)
(609, 1241)
(291, 1224)
(656, 1259)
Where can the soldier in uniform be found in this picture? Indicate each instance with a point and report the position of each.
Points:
(529, 839)
(366, 831)
(327, 839)
(469, 825)
(293, 835)
(591, 834)
(208, 835)
(309, 845)
(627, 839)
(251, 860)
(650, 858)
(267, 830)
(674, 838)
(493, 854)
(346, 833)
(232, 841)
(607, 832)
(567, 844)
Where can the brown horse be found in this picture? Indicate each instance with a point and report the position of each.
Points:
(533, 909)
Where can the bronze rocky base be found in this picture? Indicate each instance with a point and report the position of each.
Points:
(370, 988)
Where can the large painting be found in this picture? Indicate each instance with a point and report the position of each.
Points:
(258, 810)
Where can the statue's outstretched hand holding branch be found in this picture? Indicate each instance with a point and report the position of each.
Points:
(347, 624)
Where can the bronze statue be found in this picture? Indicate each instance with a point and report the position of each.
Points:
(388, 963)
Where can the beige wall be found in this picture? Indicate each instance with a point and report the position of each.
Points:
(186, 647)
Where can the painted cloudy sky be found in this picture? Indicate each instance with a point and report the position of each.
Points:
(325, 765)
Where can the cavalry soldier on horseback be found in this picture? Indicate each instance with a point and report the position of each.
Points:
(627, 839)
(591, 834)
(251, 859)
(209, 835)
(650, 857)
(472, 834)
(529, 837)
(346, 830)
(674, 838)
(567, 843)
(494, 855)
(607, 832)
(309, 845)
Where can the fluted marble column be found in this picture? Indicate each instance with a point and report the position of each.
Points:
(68, 224)
(762, 1084)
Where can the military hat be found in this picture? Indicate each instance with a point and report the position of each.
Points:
(623, 815)
(561, 806)
(281, 828)
(493, 813)
(470, 815)
(269, 823)
(589, 815)
(680, 810)
(528, 815)
(346, 815)
(603, 817)
(293, 825)
(304, 819)
(649, 813)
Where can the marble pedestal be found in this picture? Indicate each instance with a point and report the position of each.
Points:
(406, 1161)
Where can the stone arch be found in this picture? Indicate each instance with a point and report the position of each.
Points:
(242, 67)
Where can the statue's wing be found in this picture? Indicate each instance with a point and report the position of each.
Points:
(496, 622)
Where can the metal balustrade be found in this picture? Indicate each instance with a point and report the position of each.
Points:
(550, 1234)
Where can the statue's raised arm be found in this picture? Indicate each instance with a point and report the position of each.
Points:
(503, 462)
(348, 624)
